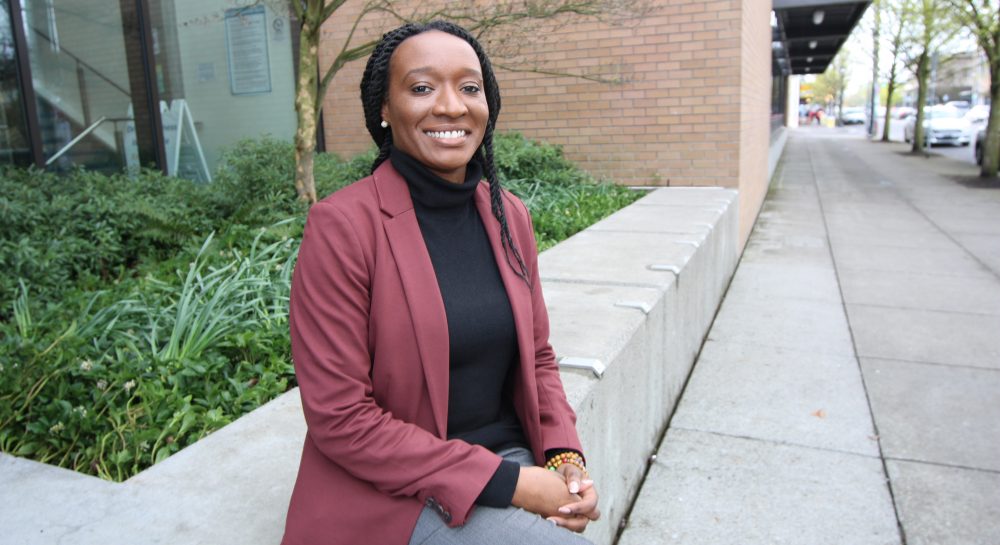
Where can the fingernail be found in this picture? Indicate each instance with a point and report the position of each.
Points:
(574, 487)
(588, 481)
(553, 521)
(565, 510)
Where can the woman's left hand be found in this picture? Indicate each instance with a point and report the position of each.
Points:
(575, 516)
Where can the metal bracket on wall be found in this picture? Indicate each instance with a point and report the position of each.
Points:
(669, 268)
(593, 365)
(644, 307)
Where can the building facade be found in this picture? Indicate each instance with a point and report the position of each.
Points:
(661, 93)
(692, 107)
(117, 84)
(700, 98)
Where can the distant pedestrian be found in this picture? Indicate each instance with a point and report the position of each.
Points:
(815, 112)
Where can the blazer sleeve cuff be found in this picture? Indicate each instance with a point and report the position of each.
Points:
(499, 491)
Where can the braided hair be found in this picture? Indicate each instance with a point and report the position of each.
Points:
(375, 87)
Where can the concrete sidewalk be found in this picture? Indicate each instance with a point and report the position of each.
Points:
(849, 389)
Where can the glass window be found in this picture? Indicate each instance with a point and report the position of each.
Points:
(224, 74)
(80, 74)
(15, 146)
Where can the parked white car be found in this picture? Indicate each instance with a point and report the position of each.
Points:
(853, 116)
(978, 115)
(942, 125)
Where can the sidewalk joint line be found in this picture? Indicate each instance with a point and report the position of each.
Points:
(943, 464)
(852, 355)
(854, 344)
(933, 363)
(787, 349)
(942, 311)
(776, 442)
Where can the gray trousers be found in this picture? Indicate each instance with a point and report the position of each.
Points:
(494, 526)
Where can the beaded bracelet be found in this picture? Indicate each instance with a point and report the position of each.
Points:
(568, 457)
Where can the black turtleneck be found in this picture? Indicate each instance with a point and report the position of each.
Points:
(482, 340)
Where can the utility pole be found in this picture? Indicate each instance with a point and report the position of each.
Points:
(873, 103)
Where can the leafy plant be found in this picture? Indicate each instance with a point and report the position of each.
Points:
(86, 228)
(141, 314)
(563, 199)
(160, 367)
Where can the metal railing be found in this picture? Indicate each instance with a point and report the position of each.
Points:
(83, 134)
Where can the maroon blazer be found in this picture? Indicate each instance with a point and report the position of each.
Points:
(370, 346)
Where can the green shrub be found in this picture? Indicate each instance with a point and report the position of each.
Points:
(255, 186)
(563, 199)
(133, 380)
(86, 228)
(520, 159)
(130, 329)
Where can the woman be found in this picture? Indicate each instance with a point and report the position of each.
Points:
(419, 332)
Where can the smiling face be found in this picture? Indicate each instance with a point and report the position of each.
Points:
(436, 106)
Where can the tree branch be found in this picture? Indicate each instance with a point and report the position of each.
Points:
(347, 53)
(537, 70)
(297, 9)
(330, 8)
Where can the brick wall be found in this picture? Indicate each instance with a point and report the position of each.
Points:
(755, 110)
(692, 108)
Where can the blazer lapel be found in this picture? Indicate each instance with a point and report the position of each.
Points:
(420, 286)
(525, 397)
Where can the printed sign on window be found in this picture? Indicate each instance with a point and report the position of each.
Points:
(246, 48)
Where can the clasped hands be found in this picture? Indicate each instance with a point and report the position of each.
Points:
(565, 496)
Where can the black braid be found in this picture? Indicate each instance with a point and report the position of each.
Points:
(496, 204)
(383, 150)
(375, 86)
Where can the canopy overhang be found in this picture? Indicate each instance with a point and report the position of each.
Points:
(806, 34)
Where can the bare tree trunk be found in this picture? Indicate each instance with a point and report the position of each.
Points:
(873, 116)
(991, 151)
(306, 111)
(890, 89)
(918, 128)
(840, 107)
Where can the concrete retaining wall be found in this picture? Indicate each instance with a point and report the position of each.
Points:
(632, 297)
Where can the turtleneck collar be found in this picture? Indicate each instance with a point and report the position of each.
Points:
(429, 189)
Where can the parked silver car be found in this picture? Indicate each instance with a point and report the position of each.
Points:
(853, 116)
(942, 125)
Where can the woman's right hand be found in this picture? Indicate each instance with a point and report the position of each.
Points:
(542, 492)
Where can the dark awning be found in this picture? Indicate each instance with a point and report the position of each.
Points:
(810, 32)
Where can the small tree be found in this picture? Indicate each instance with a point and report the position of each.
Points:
(983, 20)
(873, 100)
(479, 19)
(935, 28)
(898, 14)
(832, 84)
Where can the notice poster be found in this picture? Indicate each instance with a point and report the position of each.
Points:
(246, 48)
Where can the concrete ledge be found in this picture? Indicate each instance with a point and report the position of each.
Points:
(635, 293)
(638, 292)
